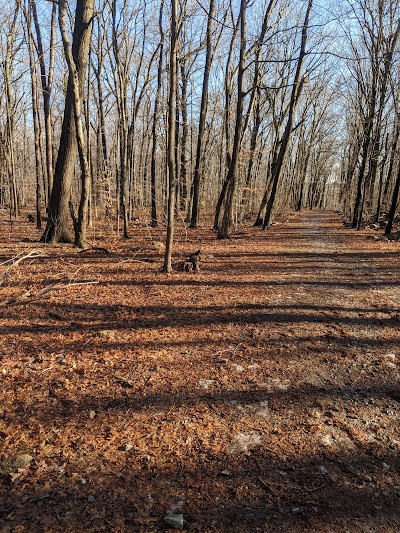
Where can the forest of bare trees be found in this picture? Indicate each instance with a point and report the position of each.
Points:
(200, 244)
(207, 112)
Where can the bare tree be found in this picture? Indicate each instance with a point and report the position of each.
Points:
(194, 220)
(167, 267)
(153, 178)
(77, 104)
(298, 82)
(46, 78)
(232, 176)
(57, 229)
(378, 41)
(9, 98)
(35, 113)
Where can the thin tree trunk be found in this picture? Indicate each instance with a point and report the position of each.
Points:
(252, 158)
(183, 196)
(35, 117)
(202, 120)
(167, 267)
(10, 155)
(153, 168)
(122, 81)
(227, 219)
(296, 90)
(47, 82)
(228, 83)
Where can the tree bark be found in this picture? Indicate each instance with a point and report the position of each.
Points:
(296, 90)
(9, 130)
(202, 120)
(167, 267)
(47, 82)
(232, 176)
(77, 92)
(35, 116)
(57, 229)
(153, 171)
(121, 96)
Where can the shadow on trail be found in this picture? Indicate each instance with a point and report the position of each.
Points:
(141, 397)
(282, 498)
(92, 318)
(265, 489)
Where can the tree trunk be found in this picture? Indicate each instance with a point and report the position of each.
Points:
(103, 164)
(228, 84)
(121, 80)
(232, 176)
(296, 90)
(202, 120)
(153, 169)
(77, 95)
(9, 130)
(183, 196)
(252, 158)
(167, 267)
(57, 229)
(35, 117)
(47, 82)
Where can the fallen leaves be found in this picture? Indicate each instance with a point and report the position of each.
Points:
(261, 389)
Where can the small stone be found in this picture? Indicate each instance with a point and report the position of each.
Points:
(239, 407)
(107, 334)
(263, 411)
(244, 442)
(174, 520)
(92, 414)
(12, 464)
(128, 447)
(206, 383)
(297, 510)
(327, 440)
(22, 461)
(225, 473)
(91, 498)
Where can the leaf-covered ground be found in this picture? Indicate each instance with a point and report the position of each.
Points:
(261, 394)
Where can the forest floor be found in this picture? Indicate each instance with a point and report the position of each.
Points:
(259, 395)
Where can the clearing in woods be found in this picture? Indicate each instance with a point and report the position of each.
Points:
(261, 394)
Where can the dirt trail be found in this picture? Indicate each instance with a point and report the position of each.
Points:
(260, 395)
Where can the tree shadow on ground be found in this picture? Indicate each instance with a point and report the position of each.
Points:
(87, 318)
(254, 490)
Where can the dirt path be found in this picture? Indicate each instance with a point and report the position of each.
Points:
(259, 395)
